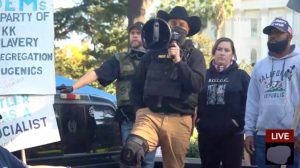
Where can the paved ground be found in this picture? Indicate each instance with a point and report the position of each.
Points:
(190, 163)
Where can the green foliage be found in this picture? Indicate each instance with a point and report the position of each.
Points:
(72, 62)
(217, 11)
(189, 5)
(205, 45)
(246, 67)
(193, 149)
(102, 21)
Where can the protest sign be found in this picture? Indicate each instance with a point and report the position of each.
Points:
(27, 121)
(27, 45)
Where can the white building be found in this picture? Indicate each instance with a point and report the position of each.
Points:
(250, 17)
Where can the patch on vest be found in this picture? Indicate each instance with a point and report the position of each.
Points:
(163, 56)
(127, 69)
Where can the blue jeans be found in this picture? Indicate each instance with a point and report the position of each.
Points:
(126, 128)
(260, 154)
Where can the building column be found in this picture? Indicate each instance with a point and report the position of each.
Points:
(264, 38)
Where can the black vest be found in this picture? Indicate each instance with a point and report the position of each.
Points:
(162, 80)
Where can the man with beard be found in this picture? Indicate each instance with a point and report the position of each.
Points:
(122, 68)
(274, 91)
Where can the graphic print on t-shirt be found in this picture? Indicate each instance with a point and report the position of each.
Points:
(216, 94)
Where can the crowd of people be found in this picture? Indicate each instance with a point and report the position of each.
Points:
(163, 94)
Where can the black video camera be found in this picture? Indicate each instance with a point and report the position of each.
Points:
(157, 35)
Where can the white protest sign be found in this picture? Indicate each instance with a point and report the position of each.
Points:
(27, 121)
(27, 45)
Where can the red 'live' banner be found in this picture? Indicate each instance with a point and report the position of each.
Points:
(279, 135)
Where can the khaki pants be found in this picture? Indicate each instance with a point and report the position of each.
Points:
(170, 131)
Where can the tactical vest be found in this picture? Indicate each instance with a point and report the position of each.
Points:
(162, 79)
(128, 66)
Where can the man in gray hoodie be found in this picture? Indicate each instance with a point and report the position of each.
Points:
(274, 91)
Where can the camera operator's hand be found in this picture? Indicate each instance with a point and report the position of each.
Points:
(65, 89)
(174, 52)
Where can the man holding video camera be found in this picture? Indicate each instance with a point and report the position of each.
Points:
(165, 92)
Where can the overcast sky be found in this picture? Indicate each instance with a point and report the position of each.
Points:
(64, 3)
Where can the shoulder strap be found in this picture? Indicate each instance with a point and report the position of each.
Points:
(188, 49)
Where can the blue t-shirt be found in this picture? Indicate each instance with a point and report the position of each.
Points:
(8, 160)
